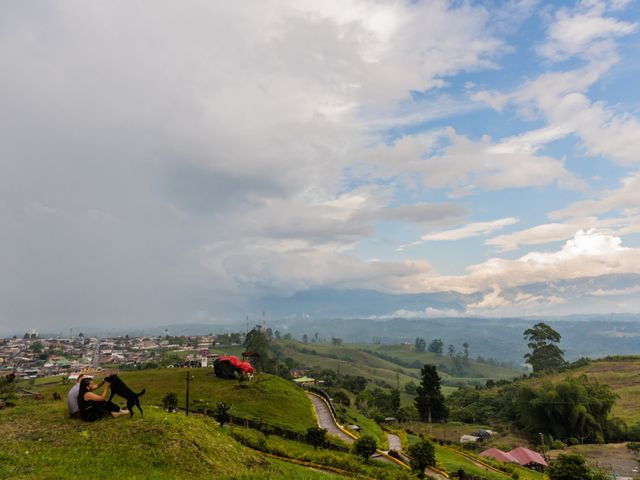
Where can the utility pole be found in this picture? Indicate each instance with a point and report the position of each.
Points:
(189, 378)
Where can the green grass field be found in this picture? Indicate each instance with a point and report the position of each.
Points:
(269, 399)
(41, 442)
(622, 374)
(356, 359)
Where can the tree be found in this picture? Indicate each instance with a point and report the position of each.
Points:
(451, 351)
(37, 347)
(170, 402)
(221, 413)
(256, 341)
(316, 436)
(305, 338)
(423, 455)
(336, 341)
(7, 390)
(429, 399)
(364, 447)
(569, 466)
(545, 354)
(466, 353)
(341, 398)
(421, 344)
(436, 346)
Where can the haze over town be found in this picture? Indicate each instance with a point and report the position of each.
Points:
(197, 162)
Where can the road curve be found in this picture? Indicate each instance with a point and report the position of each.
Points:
(325, 419)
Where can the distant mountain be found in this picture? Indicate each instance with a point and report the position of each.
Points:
(331, 303)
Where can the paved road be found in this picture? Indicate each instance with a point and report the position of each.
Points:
(325, 419)
(394, 442)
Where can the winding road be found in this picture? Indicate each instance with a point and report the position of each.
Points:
(325, 419)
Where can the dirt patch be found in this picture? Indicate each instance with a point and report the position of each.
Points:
(612, 457)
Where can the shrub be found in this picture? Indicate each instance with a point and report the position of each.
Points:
(170, 402)
(423, 455)
(365, 446)
(557, 445)
(316, 436)
(221, 413)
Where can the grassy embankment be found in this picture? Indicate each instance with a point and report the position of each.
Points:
(269, 399)
(40, 441)
(622, 374)
(393, 369)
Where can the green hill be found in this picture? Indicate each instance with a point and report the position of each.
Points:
(622, 374)
(389, 364)
(40, 441)
(268, 398)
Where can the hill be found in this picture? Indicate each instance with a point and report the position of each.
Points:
(269, 399)
(622, 374)
(390, 364)
(40, 441)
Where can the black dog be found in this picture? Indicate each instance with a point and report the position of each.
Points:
(118, 387)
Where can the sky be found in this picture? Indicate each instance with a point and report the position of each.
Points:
(175, 162)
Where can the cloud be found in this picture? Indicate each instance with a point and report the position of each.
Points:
(585, 31)
(168, 163)
(587, 254)
(446, 159)
(625, 198)
(424, 213)
(616, 292)
(471, 230)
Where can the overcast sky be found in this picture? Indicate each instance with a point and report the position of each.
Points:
(167, 162)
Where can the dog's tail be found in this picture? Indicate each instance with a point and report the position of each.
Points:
(142, 392)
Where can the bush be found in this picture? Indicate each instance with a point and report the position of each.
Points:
(569, 467)
(365, 446)
(221, 413)
(423, 455)
(557, 445)
(170, 402)
(316, 436)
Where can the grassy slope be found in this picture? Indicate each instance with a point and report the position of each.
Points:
(268, 398)
(623, 375)
(353, 360)
(41, 442)
(476, 371)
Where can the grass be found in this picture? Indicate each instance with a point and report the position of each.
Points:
(41, 442)
(268, 398)
(330, 458)
(356, 359)
(622, 374)
(348, 416)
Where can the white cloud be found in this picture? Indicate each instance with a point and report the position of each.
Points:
(587, 254)
(445, 159)
(471, 230)
(585, 31)
(189, 155)
(625, 198)
(616, 292)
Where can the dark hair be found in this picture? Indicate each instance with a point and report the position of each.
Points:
(84, 388)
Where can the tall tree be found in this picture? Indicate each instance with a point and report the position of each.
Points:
(421, 344)
(436, 346)
(545, 354)
(364, 447)
(423, 455)
(429, 399)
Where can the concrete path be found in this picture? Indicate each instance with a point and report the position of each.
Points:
(394, 442)
(325, 419)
